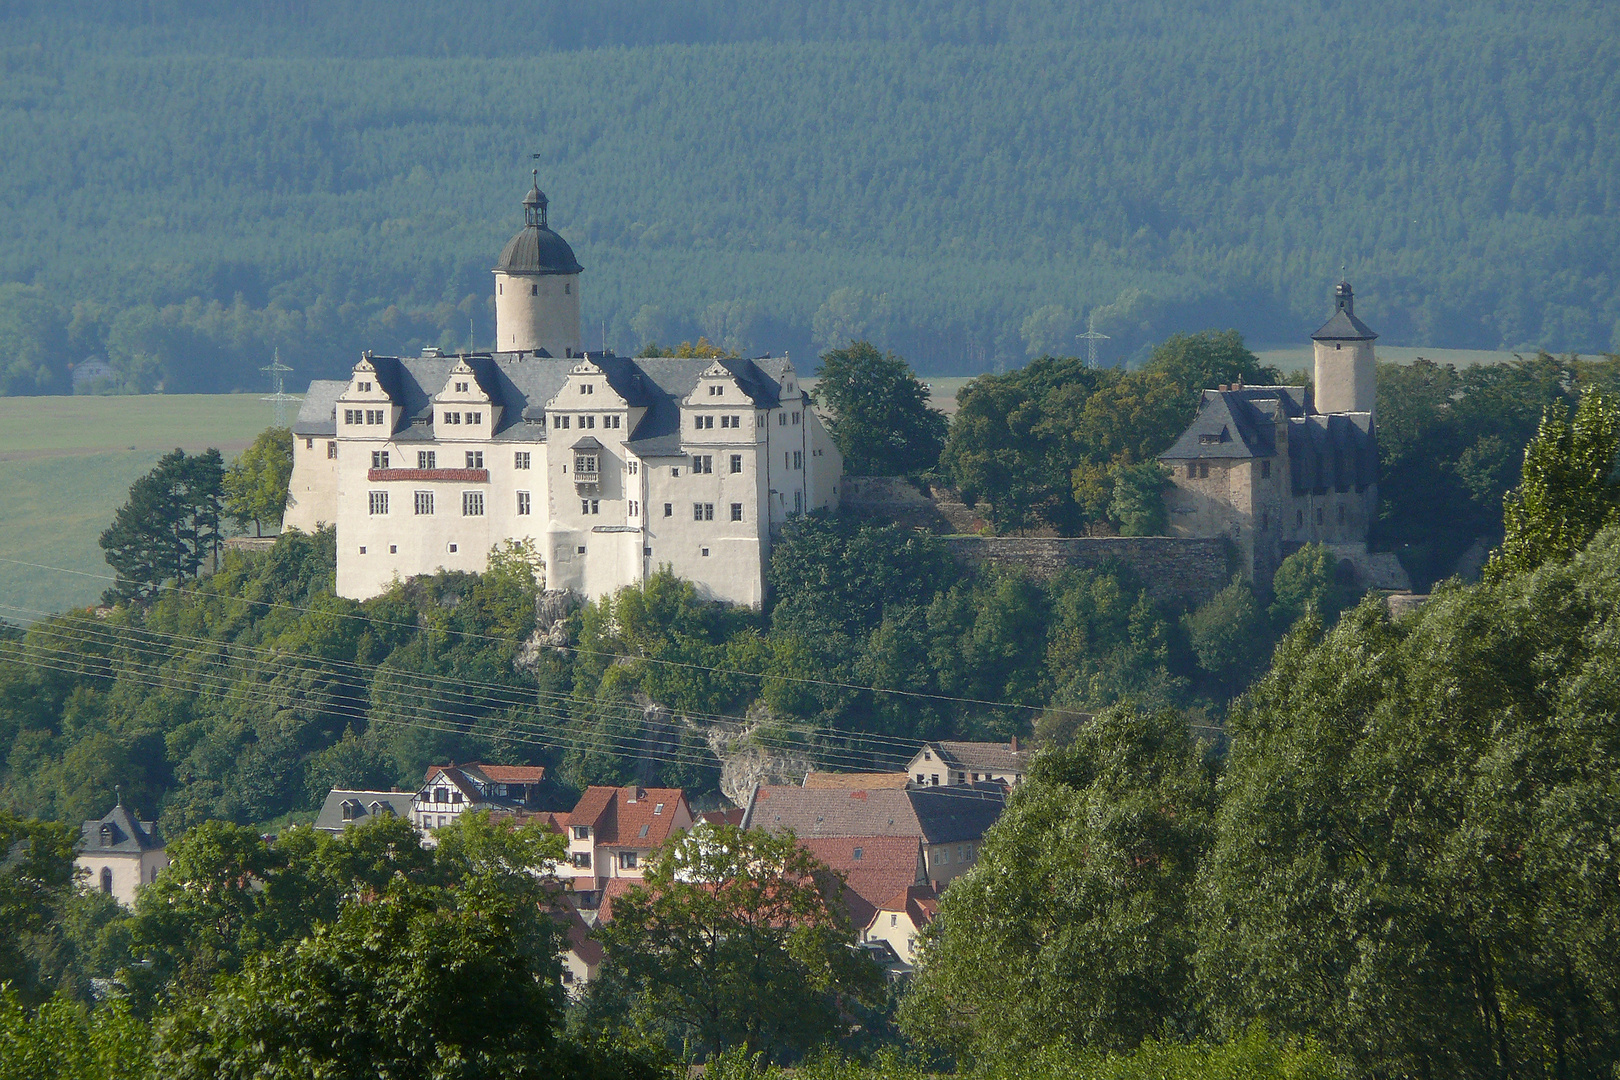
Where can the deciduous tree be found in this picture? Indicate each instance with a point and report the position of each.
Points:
(255, 486)
(881, 419)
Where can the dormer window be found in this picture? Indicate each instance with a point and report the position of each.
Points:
(106, 835)
(351, 809)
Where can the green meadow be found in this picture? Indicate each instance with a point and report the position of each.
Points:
(66, 464)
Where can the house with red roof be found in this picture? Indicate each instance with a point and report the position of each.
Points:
(874, 869)
(612, 832)
(451, 790)
(899, 919)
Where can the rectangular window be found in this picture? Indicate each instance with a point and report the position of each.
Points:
(627, 860)
(1319, 515)
(1341, 515)
(523, 504)
(588, 421)
(1192, 471)
(565, 421)
(633, 509)
(716, 390)
(472, 504)
(461, 388)
(582, 832)
(581, 860)
(584, 506)
(669, 509)
(424, 502)
(703, 552)
(1265, 470)
(309, 444)
(1203, 470)
(596, 506)
(703, 511)
(379, 502)
(475, 418)
(452, 418)
(331, 450)
(520, 459)
(349, 416)
(702, 423)
(634, 467)
(379, 459)
(475, 459)
(1299, 518)
(798, 459)
(781, 419)
(798, 502)
(725, 421)
(702, 463)
(614, 421)
(795, 419)
(374, 416)
(736, 463)
(587, 388)
(427, 459)
(736, 511)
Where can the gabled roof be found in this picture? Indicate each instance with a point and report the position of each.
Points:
(331, 818)
(874, 867)
(125, 834)
(512, 774)
(453, 776)
(1237, 422)
(917, 902)
(870, 781)
(628, 816)
(994, 756)
(521, 384)
(938, 815)
(611, 891)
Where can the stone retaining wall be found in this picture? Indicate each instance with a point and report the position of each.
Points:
(1174, 569)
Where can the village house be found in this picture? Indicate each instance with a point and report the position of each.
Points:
(1273, 468)
(898, 920)
(612, 832)
(119, 854)
(451, 790)
(608, 467)
(946, 763)
(346, 808)
(874, 868)
(949, 822)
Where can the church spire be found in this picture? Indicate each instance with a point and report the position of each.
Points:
(534, 205)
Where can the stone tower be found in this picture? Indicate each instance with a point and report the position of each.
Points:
(1346, 371)
(537, 287)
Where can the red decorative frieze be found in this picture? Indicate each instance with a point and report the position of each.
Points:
(464, 476)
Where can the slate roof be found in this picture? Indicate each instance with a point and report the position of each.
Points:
(981, 756)
(938, 815)
(868, 780)
(1238, 422)
(628, 816)
(520, 384)
(126, 834)
(331, 817)
(1344, 326)
(886, 865)
(537, 250)
(317, 414)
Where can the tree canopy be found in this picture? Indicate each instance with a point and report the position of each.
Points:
(881, 419)
(169, 527)
(255, 485)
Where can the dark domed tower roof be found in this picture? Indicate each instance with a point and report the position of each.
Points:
(536, 249)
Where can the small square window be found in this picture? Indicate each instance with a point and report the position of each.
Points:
(580, 550)
(705, 552)
(452, 549)
(362, 549)
(393, 549)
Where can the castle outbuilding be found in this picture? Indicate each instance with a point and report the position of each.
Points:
(609, 467)
(1273, 468)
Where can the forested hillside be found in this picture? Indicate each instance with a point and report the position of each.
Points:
(192, 184)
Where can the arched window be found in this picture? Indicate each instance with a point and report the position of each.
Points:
(106, 879)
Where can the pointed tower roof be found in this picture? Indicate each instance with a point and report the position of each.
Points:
(1344, 326)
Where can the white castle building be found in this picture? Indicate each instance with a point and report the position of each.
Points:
(611, 467)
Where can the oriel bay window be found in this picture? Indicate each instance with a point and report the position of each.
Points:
(585, 469)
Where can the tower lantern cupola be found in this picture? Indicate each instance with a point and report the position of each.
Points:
(1346, 373)
(1344, 298)
(534, 205)
(537, 287)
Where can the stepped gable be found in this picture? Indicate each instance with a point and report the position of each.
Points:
(874, 867)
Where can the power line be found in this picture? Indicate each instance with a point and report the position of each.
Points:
(279, 399)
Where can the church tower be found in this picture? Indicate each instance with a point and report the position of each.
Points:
(537, 287)
(1346, 371)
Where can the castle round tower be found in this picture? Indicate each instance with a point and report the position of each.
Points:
(1346, 370)
(537, 287)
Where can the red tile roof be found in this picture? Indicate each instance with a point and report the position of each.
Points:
(919, 903)
(868, 780)
(887, 865)
(615, 887)
(513, 774)
(733, 816)
(628, 816)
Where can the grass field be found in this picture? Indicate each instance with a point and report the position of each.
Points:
(66, 464)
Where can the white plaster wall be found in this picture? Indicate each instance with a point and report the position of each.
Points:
(528, 322)
(130, 872)
(896, 928)
(945, 863)
(1346, 375)
(312, 487)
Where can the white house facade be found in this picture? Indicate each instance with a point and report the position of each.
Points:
(611, 467)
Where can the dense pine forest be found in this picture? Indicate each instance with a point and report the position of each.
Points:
(191, 185)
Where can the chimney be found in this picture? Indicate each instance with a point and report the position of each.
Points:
(1015, 744)
(1238, 385)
